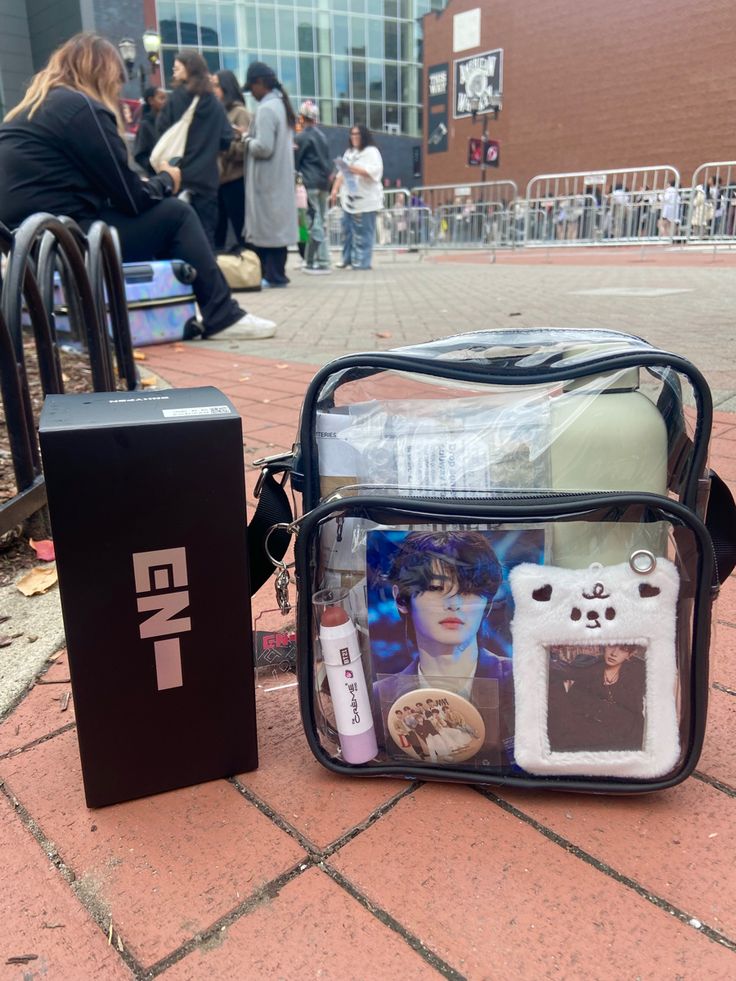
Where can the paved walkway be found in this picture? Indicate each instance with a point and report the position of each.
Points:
(291, 872)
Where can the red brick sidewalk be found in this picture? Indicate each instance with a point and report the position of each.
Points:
(292, 872)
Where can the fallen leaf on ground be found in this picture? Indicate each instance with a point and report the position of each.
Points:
(244, 378)
(282, 366)
(148, 382)
(179, 347)
(384, 333)
(5, 641)
(139, 355)
(43, 549)
(38, 580)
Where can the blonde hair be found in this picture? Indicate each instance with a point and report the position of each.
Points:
(85, 63)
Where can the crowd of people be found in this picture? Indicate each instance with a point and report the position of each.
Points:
(232, 187)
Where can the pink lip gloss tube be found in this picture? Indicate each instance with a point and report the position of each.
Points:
(338, 641)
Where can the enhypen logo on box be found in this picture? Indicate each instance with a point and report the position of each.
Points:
(160, 584)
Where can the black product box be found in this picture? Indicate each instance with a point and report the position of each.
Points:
(146, 493)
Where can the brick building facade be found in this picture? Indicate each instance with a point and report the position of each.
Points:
(590, 86)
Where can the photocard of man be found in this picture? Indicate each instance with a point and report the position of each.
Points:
(439, 610)
(596, 697)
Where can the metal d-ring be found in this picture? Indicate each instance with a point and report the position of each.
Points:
(281, 526)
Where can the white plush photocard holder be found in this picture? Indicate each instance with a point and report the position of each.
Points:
(595, 677)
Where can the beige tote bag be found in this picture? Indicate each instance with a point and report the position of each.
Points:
(173, 142)
(241, 272)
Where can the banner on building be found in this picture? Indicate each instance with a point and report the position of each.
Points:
(475, 152)
(438, 94)
(492, 153)
(437, 131)
(478, 78)
(438, 84)
(483, 153)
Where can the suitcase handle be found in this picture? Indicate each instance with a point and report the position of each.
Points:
(142, 272)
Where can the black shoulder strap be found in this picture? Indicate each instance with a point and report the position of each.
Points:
(720, 520)
(273, 509)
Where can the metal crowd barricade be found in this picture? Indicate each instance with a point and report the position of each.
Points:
(472, 225)
(395, 197)
(568, 220)
(434, 196)
(403, 228)
(612, 207)
(334, 227)
(711, 216)
(398, 229)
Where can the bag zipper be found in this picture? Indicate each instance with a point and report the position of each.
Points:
(306, 476)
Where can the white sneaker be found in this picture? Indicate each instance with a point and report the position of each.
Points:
(318, 271)
(249, 328)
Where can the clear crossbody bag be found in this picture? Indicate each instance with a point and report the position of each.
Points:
(506, 561)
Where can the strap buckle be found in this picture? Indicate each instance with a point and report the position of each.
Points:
(278, 463)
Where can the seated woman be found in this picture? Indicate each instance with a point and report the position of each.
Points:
(61, 151)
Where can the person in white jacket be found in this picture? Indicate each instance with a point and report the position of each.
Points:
(361, 197)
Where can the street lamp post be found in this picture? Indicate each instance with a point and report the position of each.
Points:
(151, 45)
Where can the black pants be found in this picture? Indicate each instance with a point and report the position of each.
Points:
(273, 263)
(206, 207)
(171, 230)
(231, 210)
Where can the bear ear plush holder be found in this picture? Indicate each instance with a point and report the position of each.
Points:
(595, 677)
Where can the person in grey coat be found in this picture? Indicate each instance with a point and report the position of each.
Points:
(270, 211)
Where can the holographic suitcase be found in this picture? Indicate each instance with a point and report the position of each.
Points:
(160, 301)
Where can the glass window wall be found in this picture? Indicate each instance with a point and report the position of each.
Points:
(360, 59)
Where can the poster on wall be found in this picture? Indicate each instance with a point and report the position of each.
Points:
(437, 132)
(438, 91)
(479, 77)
